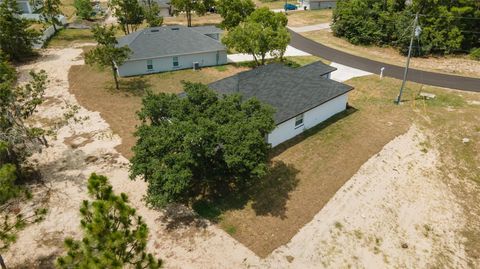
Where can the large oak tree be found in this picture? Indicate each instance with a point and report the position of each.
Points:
(201, 145)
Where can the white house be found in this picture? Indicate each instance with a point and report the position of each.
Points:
(29, 9)
(317, 4)
(168, 48)
(302, 97)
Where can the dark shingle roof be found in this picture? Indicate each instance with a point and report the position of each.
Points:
(168, 41)
(291, 91)
(208, 29)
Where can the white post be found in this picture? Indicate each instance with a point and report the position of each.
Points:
(381, 72)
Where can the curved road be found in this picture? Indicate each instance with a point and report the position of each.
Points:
(424, 77)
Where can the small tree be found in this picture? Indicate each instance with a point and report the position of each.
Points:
(16, 37)
(234, 12)
(152, 15)
(200, 146)
(263, 32)
(189, 6)
(84, 9)
(17, 104)
(114, 236)
(130, 14)
(50, 11)
(106, 53)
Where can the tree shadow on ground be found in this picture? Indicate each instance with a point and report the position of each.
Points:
(136, 86)
(270, 196)
(180, 216)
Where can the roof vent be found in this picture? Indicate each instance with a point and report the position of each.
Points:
(154, 31)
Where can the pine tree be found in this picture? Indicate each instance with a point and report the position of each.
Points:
(114, 236)
(106, 53)
(16, 39)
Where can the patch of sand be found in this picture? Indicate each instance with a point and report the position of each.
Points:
(395, 212)
(395, 199)
(65, 170)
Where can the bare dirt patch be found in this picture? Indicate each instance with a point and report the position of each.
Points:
(394, 212)
(456, 65)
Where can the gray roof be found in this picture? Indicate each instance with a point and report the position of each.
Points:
(208, 29)
(165, 41)
(291, 91)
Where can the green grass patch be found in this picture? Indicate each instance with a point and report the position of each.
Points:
(221, 68)
(68, 37)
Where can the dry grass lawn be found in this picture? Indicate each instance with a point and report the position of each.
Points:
(318, 163)
(307, 171)
(309, 17)
(181, 19)
(94, 89)
(456, 65)
(275, 4)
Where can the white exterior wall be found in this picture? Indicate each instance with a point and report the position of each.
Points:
(312, 4)
(311, 118)
(164, 64)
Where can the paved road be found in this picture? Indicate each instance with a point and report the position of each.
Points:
(423, 77)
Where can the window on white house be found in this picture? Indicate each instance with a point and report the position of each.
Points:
(149, 65)
(299, 121)
(175, 61)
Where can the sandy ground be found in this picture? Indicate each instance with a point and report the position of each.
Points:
(81, 149)
(394, 212)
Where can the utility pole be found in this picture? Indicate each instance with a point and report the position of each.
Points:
(415, 32)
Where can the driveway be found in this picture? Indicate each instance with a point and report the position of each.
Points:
(242, 57)
(310, 28)
(415, 75)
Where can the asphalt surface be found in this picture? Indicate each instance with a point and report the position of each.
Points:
(415, 75)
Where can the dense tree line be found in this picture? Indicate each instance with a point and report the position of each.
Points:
(447, 26)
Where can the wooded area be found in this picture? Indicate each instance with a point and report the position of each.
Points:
(447, 26)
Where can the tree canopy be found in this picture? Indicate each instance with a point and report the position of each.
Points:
(130, 14)
(114, 235)
(447, 26)
(84, 9)
(16, 37)
(234, 12)
(262, 32)
(50, 10)
(190, 6)
(201, 145)
(17, 141)
(106, 53)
